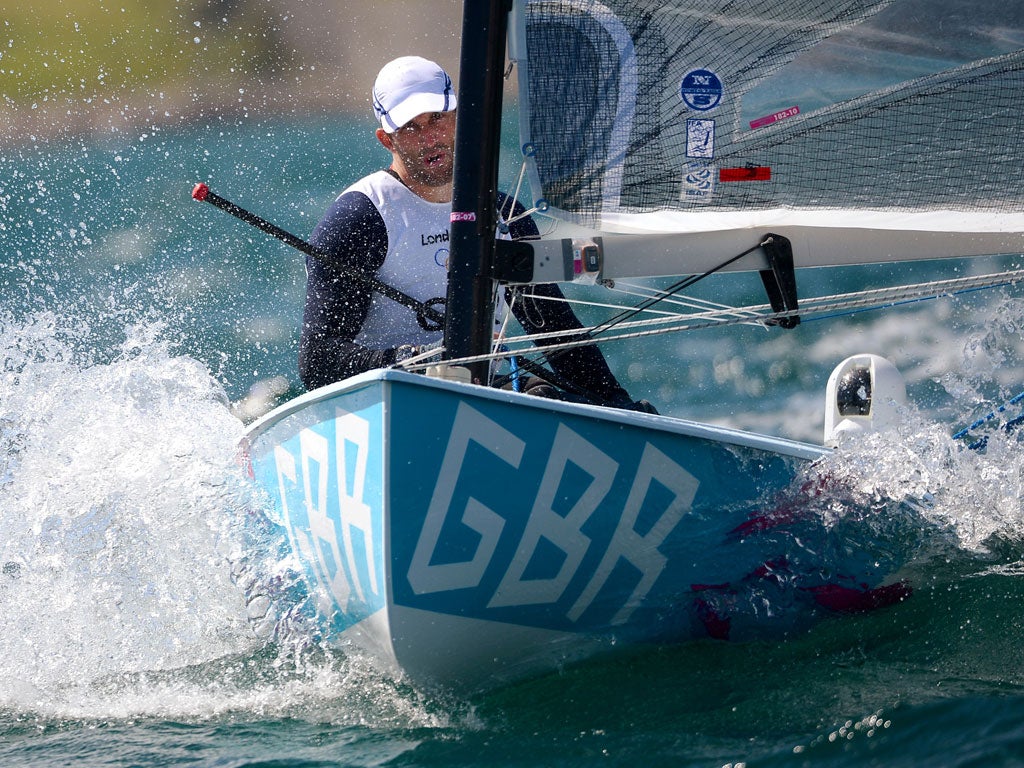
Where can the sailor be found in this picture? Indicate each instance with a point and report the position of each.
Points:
(393, 224)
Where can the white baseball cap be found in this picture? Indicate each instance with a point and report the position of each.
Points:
(410, 86)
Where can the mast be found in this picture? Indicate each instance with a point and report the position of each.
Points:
(470, 307)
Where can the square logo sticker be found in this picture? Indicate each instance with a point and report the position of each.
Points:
(700, 138)
(698, 182)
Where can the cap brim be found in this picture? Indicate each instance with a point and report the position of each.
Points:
(415, 105)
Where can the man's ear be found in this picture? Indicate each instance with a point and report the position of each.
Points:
(385, 139)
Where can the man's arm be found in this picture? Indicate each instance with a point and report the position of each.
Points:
(584, 367)
(352, 232)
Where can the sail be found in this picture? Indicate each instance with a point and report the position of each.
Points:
(692, 116)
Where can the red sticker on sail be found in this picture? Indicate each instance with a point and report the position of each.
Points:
(748, 173)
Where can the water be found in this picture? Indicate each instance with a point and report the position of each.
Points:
(137, 326)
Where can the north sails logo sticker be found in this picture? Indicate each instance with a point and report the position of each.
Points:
(701, 89)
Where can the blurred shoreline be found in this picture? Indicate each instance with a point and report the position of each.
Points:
(207, 61)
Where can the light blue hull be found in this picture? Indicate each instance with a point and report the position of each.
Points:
(469, 536)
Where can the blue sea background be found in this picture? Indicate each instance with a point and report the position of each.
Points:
(140, 329)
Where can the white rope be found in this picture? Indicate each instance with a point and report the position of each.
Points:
(539, 208)
(647, 292)
(808, 307)
(515, 198)
(762, 313)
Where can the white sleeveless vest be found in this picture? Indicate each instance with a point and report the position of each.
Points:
(416, 262)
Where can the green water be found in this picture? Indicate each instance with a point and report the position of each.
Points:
(132, 316)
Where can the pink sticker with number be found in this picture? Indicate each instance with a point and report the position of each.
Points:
(761, 122)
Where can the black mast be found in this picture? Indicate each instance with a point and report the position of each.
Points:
(470, 308)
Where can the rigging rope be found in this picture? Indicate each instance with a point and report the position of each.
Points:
(813, 308)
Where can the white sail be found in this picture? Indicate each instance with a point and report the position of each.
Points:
(863, 130)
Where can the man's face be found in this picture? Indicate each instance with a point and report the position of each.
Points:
(426, 146)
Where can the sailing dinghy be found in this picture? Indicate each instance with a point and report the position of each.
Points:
(468, 535)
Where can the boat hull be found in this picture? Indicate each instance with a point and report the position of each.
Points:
(468, 536)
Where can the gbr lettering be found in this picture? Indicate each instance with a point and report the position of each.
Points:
(565, 533)
(336, 562)
(318, 542)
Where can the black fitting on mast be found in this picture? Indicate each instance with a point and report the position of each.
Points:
(470, 303)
